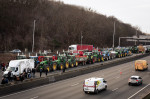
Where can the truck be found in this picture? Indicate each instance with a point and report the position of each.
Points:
(60, 63)
(90, 57)
(19, 66)
(80, 58)
(77, 47)
(141, 49)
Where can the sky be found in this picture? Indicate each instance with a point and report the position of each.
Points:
(134, 12)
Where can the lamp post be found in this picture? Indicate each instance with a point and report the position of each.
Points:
(33, 35)
(81, 40)
(114, 36)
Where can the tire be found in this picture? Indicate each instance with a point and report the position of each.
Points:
(105, 88)
(99, 59)
(85, 92)
(54, 67)
(71, 65)
(96, 91)
(67, 65)
(129, 84)
(61, 67)
(76, 64)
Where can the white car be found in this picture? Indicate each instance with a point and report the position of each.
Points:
(135, 80)
(16, 51)
(94, 85)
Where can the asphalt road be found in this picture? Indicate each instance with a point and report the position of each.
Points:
(116, 77)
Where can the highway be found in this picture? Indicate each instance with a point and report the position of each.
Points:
(116, 77)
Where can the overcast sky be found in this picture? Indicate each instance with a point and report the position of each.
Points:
(134, 12)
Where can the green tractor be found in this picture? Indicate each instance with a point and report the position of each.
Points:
(72, 60)
(119, 53)
(91, 57)
(46, 64)
(60, 63)
(97, 56)
(134, 49)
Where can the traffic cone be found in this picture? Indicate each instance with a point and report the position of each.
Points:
(120, 73)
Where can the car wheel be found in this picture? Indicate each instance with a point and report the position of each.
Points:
(96, 91)
(85, 92)
(105, 88)
(129, 84)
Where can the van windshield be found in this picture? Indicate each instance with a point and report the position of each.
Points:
(71, 48)
(11, 69)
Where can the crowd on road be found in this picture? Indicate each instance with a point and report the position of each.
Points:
(27, 74)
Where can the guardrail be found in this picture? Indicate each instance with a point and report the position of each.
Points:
(9, 88)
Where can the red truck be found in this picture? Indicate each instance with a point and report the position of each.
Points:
(77, 47)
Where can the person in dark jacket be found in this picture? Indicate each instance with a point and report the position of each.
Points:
(9, 75)
(21, 77)
(41, 72)
(46, 71)
(4, 81)
(33, 72)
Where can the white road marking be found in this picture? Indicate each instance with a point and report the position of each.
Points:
(34, 97)
(138, 91)
(75, 84)
(117, 77)
(115, 89)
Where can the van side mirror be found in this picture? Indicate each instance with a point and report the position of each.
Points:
(16, 69)
(104, 81)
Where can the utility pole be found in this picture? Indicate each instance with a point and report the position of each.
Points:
(114, 36)
(81, 40)
(136, 36)
(33, 35)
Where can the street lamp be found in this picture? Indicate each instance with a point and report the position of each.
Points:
(81, 40)
(33, 35)
(114, 36)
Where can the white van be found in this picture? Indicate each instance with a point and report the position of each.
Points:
(18, 66)
(94, 84)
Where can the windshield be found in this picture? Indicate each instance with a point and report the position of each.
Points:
(11, 69)
(71, 48)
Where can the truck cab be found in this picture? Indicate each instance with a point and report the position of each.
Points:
(94, 85)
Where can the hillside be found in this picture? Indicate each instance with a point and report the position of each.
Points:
(57, 26)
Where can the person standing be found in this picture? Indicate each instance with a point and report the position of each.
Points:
(46, 71)
(64, 69)
(9, 75)
(33, 72)
(41, 72)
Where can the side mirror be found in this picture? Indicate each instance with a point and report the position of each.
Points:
(104, 81)
(147, 64)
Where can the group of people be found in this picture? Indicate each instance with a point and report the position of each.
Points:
(27, 73)
(3, 67)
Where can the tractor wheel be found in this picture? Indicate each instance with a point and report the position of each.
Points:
(71, 65)
(99, 59)
(76, 64)
(102, 59)
(61, 67)
(67, 65)
(54, 66)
